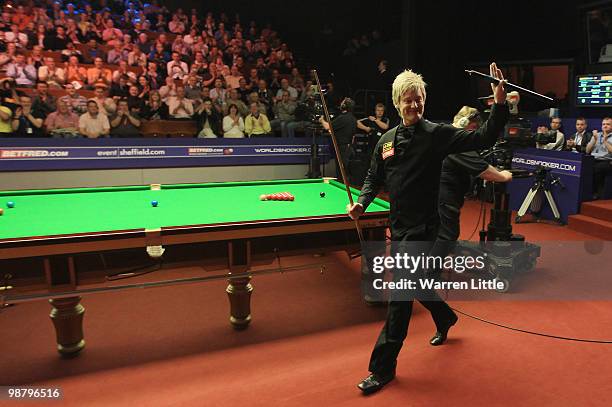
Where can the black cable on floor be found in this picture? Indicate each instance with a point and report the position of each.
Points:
(565, 338)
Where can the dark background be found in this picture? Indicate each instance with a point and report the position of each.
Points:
(436, 38)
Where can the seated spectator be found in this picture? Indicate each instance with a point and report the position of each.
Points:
(193, 89)
(233, 124)
(600, 147)
(53, 75)
(120, 89)
(43, 102)
(176, 26)
(218, 92)
(137, 58)
(169, 89)
(159, 55)
(176, 68)
(234, 99)
(111, 35)
(93, 51)
(209, 120)
(256, 123)
(63, 122)
(376, 125)
(123, 69)
(155, 79)
(38, 37)
(265, 96)
(124, 123)
(14, 35)
(243, 90)
(75, 74)
(93, 124)
(155, 108)
(27, 122)
(136, 99)
(106, 106)
(143, 43)
(233, 80)
(69, 51)
(75, 102)
(579, 140)
(284, 111)
(293, 94)
(22, 73)
(254, 98)
(36, 58)
(57, 41)
(118, 53)
(555, 124)
(275, 82)
(99, 74)
(179, 45)
(9, 55)
(6, 125)
(179, 106)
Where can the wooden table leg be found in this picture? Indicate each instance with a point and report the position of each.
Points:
(67, 316)
(239, 292)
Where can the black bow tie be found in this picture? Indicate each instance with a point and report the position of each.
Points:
(405, 131)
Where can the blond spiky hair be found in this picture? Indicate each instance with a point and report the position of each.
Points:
(406, 81)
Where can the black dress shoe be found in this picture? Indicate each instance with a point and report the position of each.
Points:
(440, 337)
(375, 382)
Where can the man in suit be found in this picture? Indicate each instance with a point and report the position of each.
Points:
(408, 161)
(580, 139)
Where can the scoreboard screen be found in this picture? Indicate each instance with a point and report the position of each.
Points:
(594, 90)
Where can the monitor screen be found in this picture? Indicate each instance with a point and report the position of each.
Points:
(594, 90)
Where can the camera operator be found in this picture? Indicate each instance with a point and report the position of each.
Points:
(578, 142)
(345, 126)
(600, 147)
(455, 180)
(555, 125)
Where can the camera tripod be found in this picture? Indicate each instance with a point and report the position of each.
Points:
(541, 185)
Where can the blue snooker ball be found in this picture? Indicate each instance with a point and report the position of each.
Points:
(10, 204)
(154, 203)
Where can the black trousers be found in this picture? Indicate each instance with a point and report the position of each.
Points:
(391, 338)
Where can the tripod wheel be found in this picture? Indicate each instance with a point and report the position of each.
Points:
(505, 282)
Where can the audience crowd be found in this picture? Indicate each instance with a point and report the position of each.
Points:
(106, 67)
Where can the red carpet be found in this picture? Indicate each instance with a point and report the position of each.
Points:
(309, 344)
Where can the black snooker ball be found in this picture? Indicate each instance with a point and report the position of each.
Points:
(322, 194)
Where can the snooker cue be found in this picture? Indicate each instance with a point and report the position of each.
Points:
(507, 84)
(340, 163)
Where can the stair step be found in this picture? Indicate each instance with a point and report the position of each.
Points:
(591, 226)
(598, 209)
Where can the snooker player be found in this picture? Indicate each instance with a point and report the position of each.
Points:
(408, 160)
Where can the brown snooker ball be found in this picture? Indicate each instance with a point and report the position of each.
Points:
(1, 211)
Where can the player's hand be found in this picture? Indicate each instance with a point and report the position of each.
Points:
(372, 118)
(507, 175)
(354, 211)
(499, 93)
